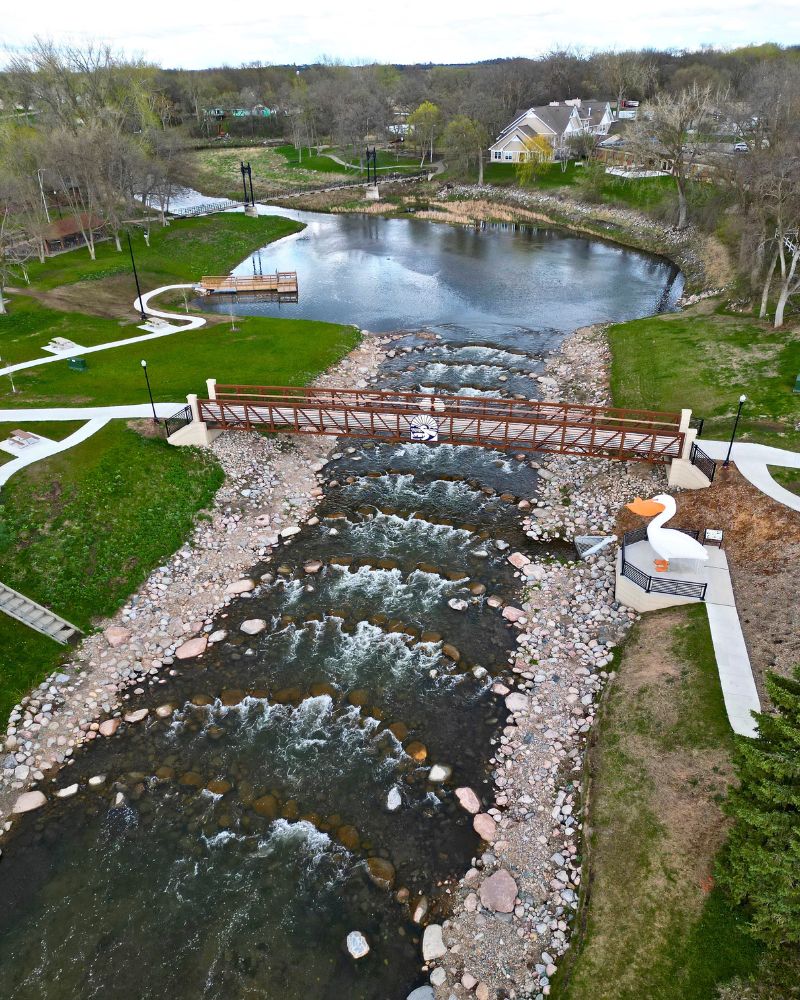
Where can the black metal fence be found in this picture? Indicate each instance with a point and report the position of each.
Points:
(654, 584)
(704, 462)
(178, 420)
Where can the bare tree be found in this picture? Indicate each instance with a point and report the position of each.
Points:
(674, 129)
(626, 73)
(465, 141)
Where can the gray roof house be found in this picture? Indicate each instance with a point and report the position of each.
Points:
(555, 123)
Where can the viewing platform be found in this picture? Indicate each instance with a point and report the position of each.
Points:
(281, 283)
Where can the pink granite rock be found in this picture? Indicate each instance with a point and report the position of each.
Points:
(468, 800)
(116, 635)
(499, 892)
(138, 716)
(109, 726)
(194, 647)
(485, 827)
(512, 614)
(518, 560)
(29, 801)
(240, 587)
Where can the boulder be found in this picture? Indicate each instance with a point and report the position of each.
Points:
(485, 827)
(422, 993)
(218, 636)
(240, 587)
(253, 626)
(357, 945)
(433, 946)
(498, 892)
(312, 567)
(138, 716)
(468, 800)
(394, 799)
(289, 532)
(29, 801)
(116, 635)
(458, 604)
(68, 792)
(512, 614)
(518, 560)
(109, 726)
(440, 772)
(194, 647)
(517, 702)
(381, 872)
(438, 977)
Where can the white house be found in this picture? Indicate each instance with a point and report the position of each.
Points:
(556, 122)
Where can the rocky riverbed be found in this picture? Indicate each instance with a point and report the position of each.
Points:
(513, 910)
(270, 488)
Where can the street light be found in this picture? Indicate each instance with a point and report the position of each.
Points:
(136, 279)
(149, 392)
(742, 401)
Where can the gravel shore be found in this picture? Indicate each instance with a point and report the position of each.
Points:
(270, 486)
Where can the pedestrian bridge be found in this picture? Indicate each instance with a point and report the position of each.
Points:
(528, 426)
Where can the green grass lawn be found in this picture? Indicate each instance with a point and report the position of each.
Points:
(182, 252)
(262, 351)
(659, 769)
(80, 531)
(309, 159)
(216, 171)
(706, 361)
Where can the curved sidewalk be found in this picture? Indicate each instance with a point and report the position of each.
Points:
(96, 417)
(753, 460)
(187, 323)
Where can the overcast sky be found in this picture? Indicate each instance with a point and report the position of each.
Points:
(180, 33)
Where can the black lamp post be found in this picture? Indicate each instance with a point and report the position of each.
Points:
(136, 278)
(149, 392)
(742, 401)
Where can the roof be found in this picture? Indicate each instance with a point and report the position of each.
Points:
(72, 225)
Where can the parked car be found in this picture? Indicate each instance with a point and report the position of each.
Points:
(741, 147)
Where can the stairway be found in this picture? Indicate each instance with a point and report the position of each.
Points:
(35, 616)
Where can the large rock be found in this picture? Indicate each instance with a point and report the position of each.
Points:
(109, 726)
(290, 531)
(440, 772)
(29, 801)
(498, 892)
(253, 626)
(240, 587)
(433, 946)
(485, 827)
(116, 635)
(357, 944)
(468, 800)
(512, 614)
(381, 872)
(422, 993)
(518, 560)
(194, 647)
(517, 702)
(138, 716)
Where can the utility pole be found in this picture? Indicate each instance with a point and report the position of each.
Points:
(39, 174)
(136, 279)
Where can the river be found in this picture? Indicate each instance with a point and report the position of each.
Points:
(264, 821)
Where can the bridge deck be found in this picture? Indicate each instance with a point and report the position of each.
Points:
(504, 424)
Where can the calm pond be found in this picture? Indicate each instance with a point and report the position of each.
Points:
(288, 802)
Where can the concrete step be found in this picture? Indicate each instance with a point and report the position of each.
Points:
(35, 616)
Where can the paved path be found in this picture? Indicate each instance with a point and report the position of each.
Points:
(96, 417)
(735, 673)
(180, 324)
(752, 460)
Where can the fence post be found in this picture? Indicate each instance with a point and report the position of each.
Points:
(191, 399)
(211, 383)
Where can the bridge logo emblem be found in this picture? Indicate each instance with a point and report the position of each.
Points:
(424, 428)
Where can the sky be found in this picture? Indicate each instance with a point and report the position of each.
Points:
(194, 35)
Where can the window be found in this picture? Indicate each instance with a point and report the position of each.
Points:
(509, 156)
(498, 155)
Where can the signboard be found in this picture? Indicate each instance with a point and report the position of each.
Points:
(424, 428)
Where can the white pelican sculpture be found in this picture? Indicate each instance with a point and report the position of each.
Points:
(667, 543)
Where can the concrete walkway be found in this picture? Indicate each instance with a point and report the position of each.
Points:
(180, 324)
(96, 417)
(752, 460)
(735, 673)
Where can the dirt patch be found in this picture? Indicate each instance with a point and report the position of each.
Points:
(762, 542)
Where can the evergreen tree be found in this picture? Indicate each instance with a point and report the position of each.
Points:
(761, 864)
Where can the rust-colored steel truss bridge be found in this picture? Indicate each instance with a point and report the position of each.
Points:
(503, 424)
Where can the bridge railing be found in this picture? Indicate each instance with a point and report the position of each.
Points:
(522, 425)
(517, 409)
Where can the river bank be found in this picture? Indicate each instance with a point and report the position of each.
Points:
(270, 485)
(702, 258)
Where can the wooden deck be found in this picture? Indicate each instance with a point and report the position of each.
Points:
(281, 283)
(504, 424)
